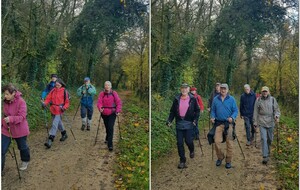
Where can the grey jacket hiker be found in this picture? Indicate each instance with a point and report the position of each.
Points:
(265, 111)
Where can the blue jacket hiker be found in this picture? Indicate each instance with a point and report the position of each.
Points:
(86, 92)
(49, 87)
(223, 112)
(186, 112)
(247, 102)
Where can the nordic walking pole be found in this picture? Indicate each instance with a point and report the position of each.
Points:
(78, 107)
(239, 144)
(212, 145)
(69, 126)
(200, 146)
(12, 142)
(203, 128)
(277, 136)
(119, 127)
(46, 123)
(99, 123)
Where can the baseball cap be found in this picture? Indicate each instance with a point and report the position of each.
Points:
(86, 79)
(184, 85)
(224, 85)
(265, 88)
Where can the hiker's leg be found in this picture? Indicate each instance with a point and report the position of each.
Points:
(110, 134)
(105, 120)
(248, 128)
(196, 131)
(218, 141)
(5, 142)
(252, 129)
(55, 122)
(83, 111)
(180, 145)
(229, 148)
(270, 136)
(60, 126)
(24, 149)
(90, 111)
(264, 144)
(189, 139)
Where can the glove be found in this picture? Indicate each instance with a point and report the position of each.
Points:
(62, 108)
(168, 123)
(43, 106)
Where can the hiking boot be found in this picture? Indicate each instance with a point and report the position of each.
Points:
(265, 160)
(88, 127)
(82, 127)
(24, 166)
(49, 143)
(218, 162)
(228, 165)
(182, 165)
(248, 143)
(192, 154)
(110, 149)
(63, 137)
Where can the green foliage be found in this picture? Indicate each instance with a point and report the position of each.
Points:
(132, 169)
(288, 152)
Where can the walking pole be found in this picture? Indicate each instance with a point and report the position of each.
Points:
(46, 123)
(12, 144)
(212, 145)
(277, 136)
(69, 126)
(99, 123)
(200, 146)
(238, 142)
(78, 107)
(119, 127)
(203, 128)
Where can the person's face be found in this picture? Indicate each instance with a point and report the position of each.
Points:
(58, 85)
(87, 82)
(53, 79)
(223, 91)
(247, 90)
(107, 86)
(8, 96)
(193, 92)
(265, 93)
(184, 90)
(218, 88)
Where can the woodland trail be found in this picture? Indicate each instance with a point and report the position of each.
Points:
(76, 165)
(202, 172)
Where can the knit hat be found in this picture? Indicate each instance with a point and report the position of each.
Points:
(193, 89)
(60, 81)
(184, 85)
(54, 75)
(224, 85)
(265, 88)
(86, 79)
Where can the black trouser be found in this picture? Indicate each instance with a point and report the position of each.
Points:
(187, 135)
(109, 122)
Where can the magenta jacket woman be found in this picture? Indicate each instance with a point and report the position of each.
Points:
(15, 112)
(110, 105)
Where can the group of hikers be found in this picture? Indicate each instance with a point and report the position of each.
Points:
(257, 112)
(15, 125)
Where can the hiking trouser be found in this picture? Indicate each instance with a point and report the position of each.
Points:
(109, 122)
(22, 146)
(218, 140)
(86, 110)
(56, 124)
(266, 135)
(187, 135)
(249, 128)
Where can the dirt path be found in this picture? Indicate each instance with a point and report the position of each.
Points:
(202, 173)
(76, 165)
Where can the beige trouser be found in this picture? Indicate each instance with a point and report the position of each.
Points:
(218, 142)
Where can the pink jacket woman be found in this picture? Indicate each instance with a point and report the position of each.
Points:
(109, 102)
(16, 111)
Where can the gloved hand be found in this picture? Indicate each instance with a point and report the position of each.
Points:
(43, 105)
(62, 108)
(168, 123)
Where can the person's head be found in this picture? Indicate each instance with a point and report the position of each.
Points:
(59, 83)
(184, 89)
(193, 90)
(53, 77)
(107, 86)
(9, 91)
(224, 89)
(87, 80)
(265, 91)
(247, 88)
(217, 87)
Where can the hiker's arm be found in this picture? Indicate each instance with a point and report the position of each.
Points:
(92, 90)
(276, 109)
(235, 110)
(67, 101)
(99, 103)
(213, 110)
(21, 115)
(118, 102)
(79, 91)
(197, 112)
(172, 112)
(241, 107)
(255, 114)
(45, 92)
(48, 99)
